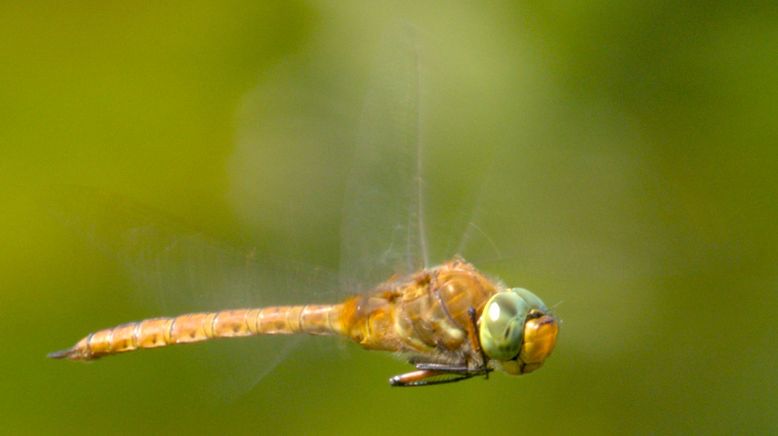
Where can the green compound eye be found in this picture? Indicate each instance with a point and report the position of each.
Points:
(501, 329)
(533, 300)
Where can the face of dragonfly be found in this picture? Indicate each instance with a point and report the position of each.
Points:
(518, 331)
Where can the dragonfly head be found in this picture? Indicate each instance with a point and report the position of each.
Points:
(517, 330)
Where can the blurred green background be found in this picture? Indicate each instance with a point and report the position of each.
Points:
(622, 155)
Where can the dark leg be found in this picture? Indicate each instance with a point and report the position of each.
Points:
(452, 369)
(427, 378)
(429, 374)
(476, 341)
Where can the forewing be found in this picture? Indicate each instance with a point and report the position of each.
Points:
(383, 222)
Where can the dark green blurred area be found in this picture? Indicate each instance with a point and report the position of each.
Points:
(636, 156)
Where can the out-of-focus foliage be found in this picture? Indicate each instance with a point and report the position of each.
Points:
(621, 156)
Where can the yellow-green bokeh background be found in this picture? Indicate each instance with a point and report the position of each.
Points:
(643, 140)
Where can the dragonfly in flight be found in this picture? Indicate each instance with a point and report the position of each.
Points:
(450, 321)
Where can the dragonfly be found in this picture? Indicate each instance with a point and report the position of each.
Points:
(450, 321)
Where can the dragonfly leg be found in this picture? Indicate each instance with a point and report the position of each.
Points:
(475, 341)
(428, 374)
(426, 377)
(453, 369)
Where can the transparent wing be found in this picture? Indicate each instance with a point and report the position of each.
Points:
(491, 232)
(179, 270)
(383, 221)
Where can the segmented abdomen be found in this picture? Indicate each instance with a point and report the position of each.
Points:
(196, 327)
